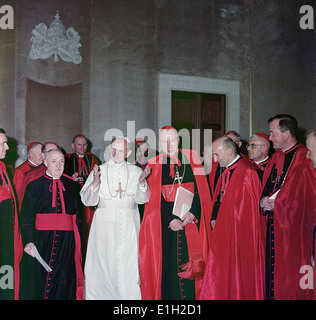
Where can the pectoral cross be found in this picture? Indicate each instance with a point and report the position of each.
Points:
(178, 178)
(120, 190)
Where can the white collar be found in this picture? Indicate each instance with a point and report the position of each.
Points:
(237, 157)
(112, 163)
(52, 176)
(289, 147)
(258, 162)
(31, 162)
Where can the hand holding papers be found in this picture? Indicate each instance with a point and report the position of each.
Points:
(41, 260)
(272, 197)
(267, 203)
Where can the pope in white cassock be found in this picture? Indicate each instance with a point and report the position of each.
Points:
(116, 187)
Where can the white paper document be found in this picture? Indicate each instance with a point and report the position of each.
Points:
(183, 202)
(272, 197)
(41, 260)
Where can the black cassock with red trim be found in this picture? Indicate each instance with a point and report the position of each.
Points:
(50, 219)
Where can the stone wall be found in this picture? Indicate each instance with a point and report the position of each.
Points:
(127, 44)
(283, 64)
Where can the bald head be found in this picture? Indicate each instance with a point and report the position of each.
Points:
(49, 146)
(224, 151)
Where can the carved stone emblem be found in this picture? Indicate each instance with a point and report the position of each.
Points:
(56, 41)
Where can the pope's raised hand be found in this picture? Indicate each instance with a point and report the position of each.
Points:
(96, 177)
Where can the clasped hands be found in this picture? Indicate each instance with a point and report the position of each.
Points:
(177, 224)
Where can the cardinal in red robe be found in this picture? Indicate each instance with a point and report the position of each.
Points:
(35, 158)
(288, 202)
(235, 265)
(173, 251)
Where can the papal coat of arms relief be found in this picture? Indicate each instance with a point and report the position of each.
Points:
(55, 41)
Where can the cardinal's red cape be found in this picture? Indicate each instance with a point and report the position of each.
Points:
(19, 174)
(150, 248)
(294, 221)
(29, 176)
(235, 265)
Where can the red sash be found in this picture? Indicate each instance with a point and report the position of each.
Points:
(194, 269)
(65, 222)
(82, 164)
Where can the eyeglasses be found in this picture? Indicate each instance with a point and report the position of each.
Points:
(253, 145)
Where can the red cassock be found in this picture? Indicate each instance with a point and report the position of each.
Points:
(235, 265)
(294, 221)
(30, 175)
(150, 243)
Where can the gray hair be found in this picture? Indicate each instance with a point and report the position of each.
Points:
(311, 133)
(236, 134)
(255, 136)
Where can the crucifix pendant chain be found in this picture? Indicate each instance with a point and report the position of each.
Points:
(177, 178)
(119, 190)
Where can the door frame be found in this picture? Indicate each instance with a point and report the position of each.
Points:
(169, 82)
